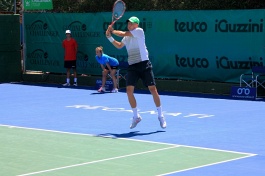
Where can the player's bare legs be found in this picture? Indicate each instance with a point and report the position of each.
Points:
(156, 98)
(68, 73)
(104, 77)
(136, 117)
(67, 77)
(75, 74)
(75, 77)
(155, 94)
(112, 74)
(131, 98)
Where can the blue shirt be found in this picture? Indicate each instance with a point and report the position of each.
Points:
(107, 59)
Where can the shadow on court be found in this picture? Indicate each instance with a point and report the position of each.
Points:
(100, 93)
(128, 135)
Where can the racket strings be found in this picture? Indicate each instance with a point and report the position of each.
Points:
(118, 10)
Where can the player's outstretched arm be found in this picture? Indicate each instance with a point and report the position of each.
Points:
(118, 33)
(117, 44)
(121, 33)
(113, 41)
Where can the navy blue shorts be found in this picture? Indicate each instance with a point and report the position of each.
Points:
(142, 70)
(70, 64)
(112, 67)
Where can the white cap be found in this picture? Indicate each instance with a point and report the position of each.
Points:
(68, 32)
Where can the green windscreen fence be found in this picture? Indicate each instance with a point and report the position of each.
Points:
(10, 55)
(192, 45)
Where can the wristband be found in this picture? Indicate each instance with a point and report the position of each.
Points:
(111, 39)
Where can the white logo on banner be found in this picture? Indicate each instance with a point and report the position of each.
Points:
(27, 3)
(104, 108)
(246, 91)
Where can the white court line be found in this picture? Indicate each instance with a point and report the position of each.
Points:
(206, 165)
(219, 150)
(138, 140)
(173, 146)
(97, 161)
(83, 134)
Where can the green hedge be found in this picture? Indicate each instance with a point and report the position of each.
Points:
(147, 5)
(82, 6)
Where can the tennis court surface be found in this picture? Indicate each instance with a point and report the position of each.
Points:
(58, 131)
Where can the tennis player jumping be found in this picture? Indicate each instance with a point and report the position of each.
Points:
(140, 66)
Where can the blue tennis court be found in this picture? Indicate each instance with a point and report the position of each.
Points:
(52, 130)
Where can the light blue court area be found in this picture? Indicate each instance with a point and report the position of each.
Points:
(75, 131)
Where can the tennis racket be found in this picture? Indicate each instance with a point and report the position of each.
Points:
(117, 10)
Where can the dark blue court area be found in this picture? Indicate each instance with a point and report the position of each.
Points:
(206, 122)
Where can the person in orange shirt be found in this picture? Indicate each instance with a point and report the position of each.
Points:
(70, 51)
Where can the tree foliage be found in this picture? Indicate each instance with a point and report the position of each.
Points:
(148, 5)
(83, 6)
(7, 5)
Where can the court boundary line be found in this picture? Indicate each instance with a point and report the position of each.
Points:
(206, 165)
(138, 140)
(83, 134)
(92, 162)
(96, 161)
(219, 150)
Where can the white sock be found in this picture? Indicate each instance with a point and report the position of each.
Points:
(68, 80)
(75, 80)
(159, 111)
(135, 112)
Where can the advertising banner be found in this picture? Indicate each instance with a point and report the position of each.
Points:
(248, 93)
(108, 84)
(191, 45)
(38, 4)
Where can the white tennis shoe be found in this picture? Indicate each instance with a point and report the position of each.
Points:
(115, 90)
(135, 121)
(66, 84)
(162, 121)
(102, 89)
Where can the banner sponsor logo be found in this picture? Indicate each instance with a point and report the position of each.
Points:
(224, 63)
(82, 56)
(190, 26)
(191, 62)
(82, 60)
(243, 92)
(40, 28)
(221, 62)
(250, 26)
(79, 30)
(220, 26)
(108, 84)
(41, 57)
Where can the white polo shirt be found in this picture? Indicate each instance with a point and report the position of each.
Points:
(135, 45)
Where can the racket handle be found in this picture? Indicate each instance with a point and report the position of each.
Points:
(111, 24)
